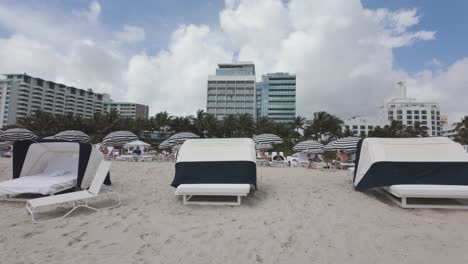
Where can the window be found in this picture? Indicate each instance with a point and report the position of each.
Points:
(399, 112)
(399, 117)
(409, 117)
(424, 112)
(390, 112)
(370, 127)
(409, 112)
(363, 133)
(432, 112)
(390, 118)
(416, 112)
(363, 127)
(433, 127)
(410, 122)
(424, 117)
(416, 117)
(354, 127)
(392, 106)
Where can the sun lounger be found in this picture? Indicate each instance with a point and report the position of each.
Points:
(12, 190)
(320, 165)
(76, 199)
(429, 196)
(351, 172)
(188, 191)
(344, 165)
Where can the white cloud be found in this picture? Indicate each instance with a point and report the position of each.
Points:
(131, 34)
(341, 52)
(175, 79)
(92, 13)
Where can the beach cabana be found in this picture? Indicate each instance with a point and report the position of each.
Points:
(434, 167)
(50, 167)
(216, 167)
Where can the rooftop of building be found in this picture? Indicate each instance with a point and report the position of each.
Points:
(236, 64)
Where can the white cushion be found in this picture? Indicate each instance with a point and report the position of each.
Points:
(212, 189)
(37, 184)
(429, 191)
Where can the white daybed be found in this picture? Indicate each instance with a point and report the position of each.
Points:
(414, 172)
(215, 167)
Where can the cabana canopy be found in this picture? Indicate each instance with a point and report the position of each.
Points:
(221, 161)
(382, 162)
(31, 158)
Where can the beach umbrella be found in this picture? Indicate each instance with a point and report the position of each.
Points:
(166, 144)
(309, 146)
(180, 138)
(267, 139)
(14, 134)
(137, 143)
(119, 138)
(263, 146)
(72, 135)
(347, 144)
(329, 146)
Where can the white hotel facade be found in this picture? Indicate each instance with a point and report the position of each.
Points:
(408, 111)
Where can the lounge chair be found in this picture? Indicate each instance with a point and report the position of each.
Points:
(188, 191)
(76, 199)
(344, 165)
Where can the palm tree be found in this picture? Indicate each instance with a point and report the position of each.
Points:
(264, 125)
(199, 123)
(245, 125)
(462, 129)
(162, 121)
(229, 126)
(298, 123)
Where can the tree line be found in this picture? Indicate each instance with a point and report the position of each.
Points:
(322, 127)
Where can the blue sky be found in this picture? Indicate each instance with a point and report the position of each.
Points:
(448, 18)
(157, 52)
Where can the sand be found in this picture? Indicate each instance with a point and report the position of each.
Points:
(296, 216)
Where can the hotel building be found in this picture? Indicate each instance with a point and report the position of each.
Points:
(232, 90)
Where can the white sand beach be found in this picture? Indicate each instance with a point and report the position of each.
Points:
(296, 216)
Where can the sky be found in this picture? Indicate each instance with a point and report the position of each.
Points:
(348, 55)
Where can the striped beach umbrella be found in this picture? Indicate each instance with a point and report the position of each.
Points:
(165, 144)
(309, 146)
(14, 134)
(263, 146)
(119, 138)
(347, 144)
(267, 139)
(72, 135)
(329, 146)
(180, 138)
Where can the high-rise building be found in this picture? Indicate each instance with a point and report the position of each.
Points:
(21, 95)
(232, 90)
(276, 97)
(126, 109)
(410, 111)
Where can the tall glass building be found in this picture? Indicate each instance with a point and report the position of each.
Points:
(232, 90)
(276, 97)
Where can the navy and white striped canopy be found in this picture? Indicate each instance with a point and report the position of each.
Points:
(329, 146)
(309, 146)
(14, 134)
(180, 138)
(119, 138)
(72, 135)
(347, 144)
(263, 146)
(267, 139)
(166, 144)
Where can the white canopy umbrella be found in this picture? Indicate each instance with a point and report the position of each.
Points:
(136, 143)
(180, 138)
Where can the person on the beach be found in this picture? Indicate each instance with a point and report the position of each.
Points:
(137, 151)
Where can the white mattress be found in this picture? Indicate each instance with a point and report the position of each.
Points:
(212, 189)
(429, 191)
(40, 184)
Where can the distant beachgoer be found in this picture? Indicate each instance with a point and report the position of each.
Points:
(137, 151)
(310, 166)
